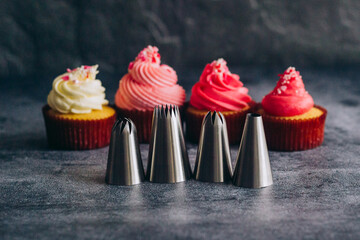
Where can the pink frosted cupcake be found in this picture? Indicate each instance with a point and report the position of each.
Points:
(218, 90)
(291, 120)
(146, 85)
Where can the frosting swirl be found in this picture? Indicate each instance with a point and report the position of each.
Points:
(149, 83)
(77, 91)
(219, 90)
(289, 97)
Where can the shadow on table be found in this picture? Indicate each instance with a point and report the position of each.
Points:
(24, 142)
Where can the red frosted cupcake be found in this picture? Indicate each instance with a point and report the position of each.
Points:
(291, 120)
(76, 116)
(146, 85)
(218, 90)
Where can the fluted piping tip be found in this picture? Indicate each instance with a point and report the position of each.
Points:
(213, 159)
(124, 166)
(168, 160)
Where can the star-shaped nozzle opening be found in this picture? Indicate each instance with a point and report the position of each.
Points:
(215, 118)
(123, 124)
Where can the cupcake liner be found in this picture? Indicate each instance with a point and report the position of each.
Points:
(77, 134)
(294, 135)
(235, 121)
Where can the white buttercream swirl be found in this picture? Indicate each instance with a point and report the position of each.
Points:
(77, 91)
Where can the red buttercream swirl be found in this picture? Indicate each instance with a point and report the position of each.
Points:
(219, 90)
(289, 97)
(149, 83)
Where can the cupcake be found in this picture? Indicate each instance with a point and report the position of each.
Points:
(291, 120)
(76, 116)
(218, 90)
(146, 85)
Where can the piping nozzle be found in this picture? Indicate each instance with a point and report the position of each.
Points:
(252, 168)
(124, 166)
(168, 160)
(213, 159)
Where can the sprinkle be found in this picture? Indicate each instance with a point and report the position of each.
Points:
(131, 65)
(283, 88)
(69, 70)
(143, 58)
(87, 67)
(149, 54)
(65, 78)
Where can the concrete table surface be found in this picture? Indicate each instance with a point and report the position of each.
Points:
(49, 194)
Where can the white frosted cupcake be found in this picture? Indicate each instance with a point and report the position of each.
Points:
(77, 116)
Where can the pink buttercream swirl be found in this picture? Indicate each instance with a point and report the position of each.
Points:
(149, 83)
(219, 90)
(289, 97)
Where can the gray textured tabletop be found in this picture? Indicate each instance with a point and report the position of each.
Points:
(61, 194)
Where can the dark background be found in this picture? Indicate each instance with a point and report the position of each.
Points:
(47, 194)
(46, 37)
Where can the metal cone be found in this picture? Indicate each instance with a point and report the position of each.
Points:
(252, 168)
(213, 160)
(124, 165)
(168, 160)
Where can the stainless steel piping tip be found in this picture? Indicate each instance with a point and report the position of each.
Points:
(124, 166)
(168, 160)
(252, 168)
(213, 159)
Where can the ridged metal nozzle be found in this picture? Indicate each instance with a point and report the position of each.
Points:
(124, 166)
(168, 160)
(252, 168)
(213, 159)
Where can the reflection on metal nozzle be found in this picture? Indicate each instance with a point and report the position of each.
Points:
(252, 168)
(213, 160)
(124, 165)
(168, 160)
